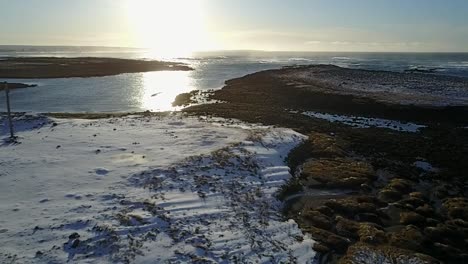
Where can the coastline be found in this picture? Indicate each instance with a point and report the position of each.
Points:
(402, 193)
(393, 193)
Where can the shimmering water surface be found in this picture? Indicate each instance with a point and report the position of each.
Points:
(156, 90)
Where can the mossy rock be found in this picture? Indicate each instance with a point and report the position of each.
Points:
(401, 185)
(325, 210)
(360, 253)
(347, 228)
(389, 195)
(418, 195)
(333, 241)
(317, 219)
(369, 217)
(412, 202)
(351, 206)
(426, 210)
(371, 235)
(454, 208)
(337, 173)
(446, 234)
(409, 237)
(411, 218)
(449, 253)
(323, 145)
(320, 248)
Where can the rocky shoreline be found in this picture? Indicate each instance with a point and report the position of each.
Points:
(364, 194)
(56, 67)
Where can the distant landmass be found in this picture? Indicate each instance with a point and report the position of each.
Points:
(55, 67)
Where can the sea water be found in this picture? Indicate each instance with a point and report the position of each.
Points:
(156, 91)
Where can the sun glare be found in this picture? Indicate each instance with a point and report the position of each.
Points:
(168, 28)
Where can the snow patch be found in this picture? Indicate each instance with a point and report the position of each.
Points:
(425, 166)
(366, 122)
(161, 189)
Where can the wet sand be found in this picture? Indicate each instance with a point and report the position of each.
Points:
(54, 67)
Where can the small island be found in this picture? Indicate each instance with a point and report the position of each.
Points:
(55, 67)
(16, 85)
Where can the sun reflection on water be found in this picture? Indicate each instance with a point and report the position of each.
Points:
(159, 89)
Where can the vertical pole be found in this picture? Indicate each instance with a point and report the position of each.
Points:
(10, 122)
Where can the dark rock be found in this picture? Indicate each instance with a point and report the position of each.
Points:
(74, 235)
(337, 243)
(455, 208)
(334, 242)
(425, 210)
(413, 202)
(459, 223)
(448, 252)
(347, 228)
(392, 213)
(446, 235)
(432, 222)
(320, 248)
(418, 195)
(325, 210)
(366, 188)
(318, 219)
(75, 243)
(411, 218)
(369, 217)
(389, 195)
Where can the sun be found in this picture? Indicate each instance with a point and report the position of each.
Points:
(169, 28)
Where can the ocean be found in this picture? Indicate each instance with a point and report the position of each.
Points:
(156, 91)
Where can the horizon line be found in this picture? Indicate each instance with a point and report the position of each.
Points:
(225, 50)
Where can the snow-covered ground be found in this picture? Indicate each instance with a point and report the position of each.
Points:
(140, 189)
(366, 122)
(384, 86)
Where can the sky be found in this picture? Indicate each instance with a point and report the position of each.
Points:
(180, 26)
